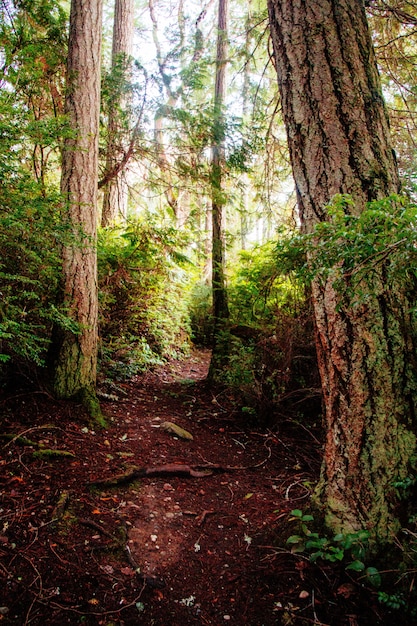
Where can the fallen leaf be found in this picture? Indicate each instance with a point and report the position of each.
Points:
(346, 590)
(127, 571)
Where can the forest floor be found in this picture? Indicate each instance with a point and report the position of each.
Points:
(198, 537)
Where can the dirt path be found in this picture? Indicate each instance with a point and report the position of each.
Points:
(163, 550)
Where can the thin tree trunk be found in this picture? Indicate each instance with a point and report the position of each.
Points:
(244, 200)
(220, 301)
(75, 371)
(116, 191)
(339, 142)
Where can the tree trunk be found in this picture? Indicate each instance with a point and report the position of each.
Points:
(75, 370)
(116, 191)
(218, 198)
(244, 178)
(339, 142)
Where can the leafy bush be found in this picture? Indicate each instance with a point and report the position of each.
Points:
(30, 270)
(200, 306)
(33, 46)
(272, 362)
(349, 548)
(260, 288)
(143, 296)
(352, 247)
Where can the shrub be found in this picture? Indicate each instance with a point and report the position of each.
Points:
(272, 366)
(200, 306)
(30, 269)
(143, 296)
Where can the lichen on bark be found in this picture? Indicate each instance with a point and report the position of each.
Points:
(369, 389)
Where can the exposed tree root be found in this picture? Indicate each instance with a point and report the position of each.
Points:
(172, 469)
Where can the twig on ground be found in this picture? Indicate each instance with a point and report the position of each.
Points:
(29, 430)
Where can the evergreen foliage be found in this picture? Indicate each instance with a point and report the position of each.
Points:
(271, 368)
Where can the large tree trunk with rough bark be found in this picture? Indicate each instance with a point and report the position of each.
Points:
(116, 190)
(339, 143)
(75, 369)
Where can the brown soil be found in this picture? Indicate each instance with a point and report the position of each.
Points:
(169, 549)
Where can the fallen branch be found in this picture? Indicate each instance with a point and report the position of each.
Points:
(22, 440)
(173, 469)
(49, 453)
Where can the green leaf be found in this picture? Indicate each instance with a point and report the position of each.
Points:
(356, 566)
(294, 539)
(373, 576)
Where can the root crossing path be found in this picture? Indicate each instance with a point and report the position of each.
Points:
(145, 523)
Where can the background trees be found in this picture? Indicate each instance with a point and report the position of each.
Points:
(218, 194)
(116, 188)
(33, 45)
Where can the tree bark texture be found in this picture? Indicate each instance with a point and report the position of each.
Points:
(116, 191)
(339, 142)
(333, 109)
(76, 365)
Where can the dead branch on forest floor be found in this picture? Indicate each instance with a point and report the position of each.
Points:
(173, 469)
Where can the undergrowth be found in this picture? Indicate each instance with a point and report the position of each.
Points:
(144, 278)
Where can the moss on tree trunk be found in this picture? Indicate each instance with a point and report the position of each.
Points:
(367, 364)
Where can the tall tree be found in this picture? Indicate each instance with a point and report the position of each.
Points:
(76, 365)
(218, 197)
(116, 190)
(339, 143)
